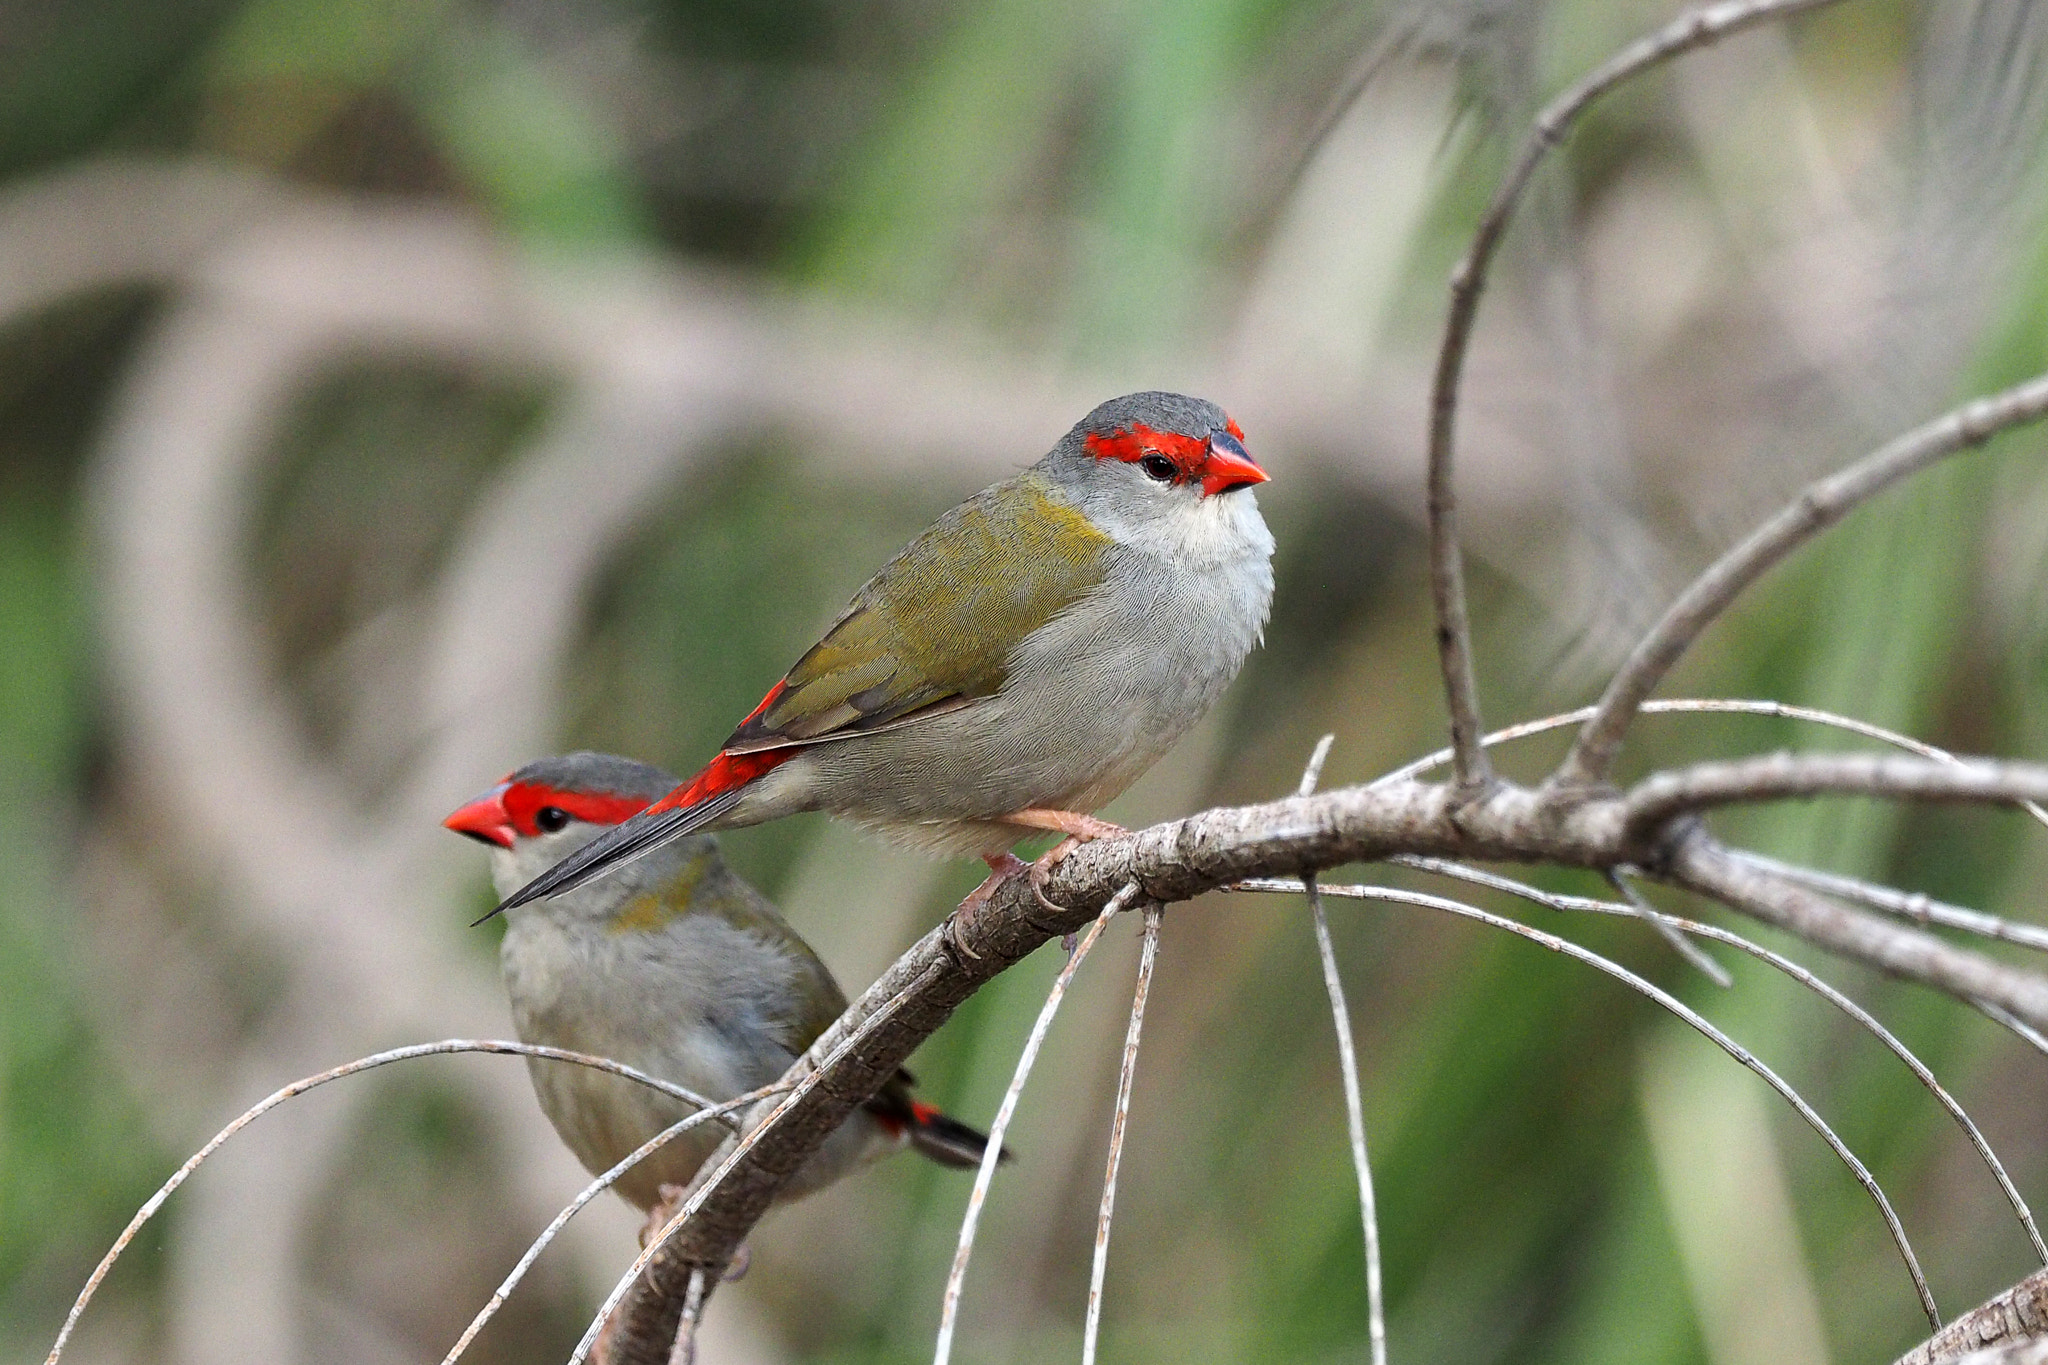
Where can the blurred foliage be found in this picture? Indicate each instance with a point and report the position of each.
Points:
(1097, 180)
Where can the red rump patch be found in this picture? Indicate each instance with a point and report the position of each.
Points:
(523, 799)
(722, 774)
(923, 1113)
(1135, 442)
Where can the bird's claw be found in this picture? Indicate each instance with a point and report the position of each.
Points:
(1080, 829)
(1000, 865)
(671, 1199)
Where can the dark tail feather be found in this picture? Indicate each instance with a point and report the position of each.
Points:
(617, 846)
(947, 1140)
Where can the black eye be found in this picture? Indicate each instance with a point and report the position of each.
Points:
(1157, 466)
(550, 818)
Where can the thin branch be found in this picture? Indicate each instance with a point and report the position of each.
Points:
(2004, 1019)
(1639, 905)
(1699, 1023)
(1658, 800)
(1739, 706)
(590, 1192)
(1099, 1268)
(299, 1087)
(1912, 905)
(1180, 859)
(1700, 864)
(705, 1188)
(956, 1278)
(1694, 29)
(1556, 900)
(1805, 978)
(1354, 1123)
(684, 1351)
(1354, 1104)
(1824, 503)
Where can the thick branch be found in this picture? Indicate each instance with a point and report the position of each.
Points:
(1183, 858)
(1822, 505)
(1693, 30)
(2018, 1315)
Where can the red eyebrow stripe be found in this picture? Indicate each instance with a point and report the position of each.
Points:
(1135, 442)
(523, 799)
(1236, 432)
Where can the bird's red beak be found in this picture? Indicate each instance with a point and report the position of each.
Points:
(485, 819)
(1228, 465)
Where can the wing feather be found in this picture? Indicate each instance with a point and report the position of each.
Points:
(936, 627)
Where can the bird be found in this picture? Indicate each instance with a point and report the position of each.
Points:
(676, 966)
(1016, 666)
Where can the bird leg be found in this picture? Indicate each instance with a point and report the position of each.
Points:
(1000, 865)
(1080, 829)
(664, 1209)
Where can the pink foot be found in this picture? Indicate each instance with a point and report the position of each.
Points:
(664, 1209)
(1077, 827)
(1000, 865)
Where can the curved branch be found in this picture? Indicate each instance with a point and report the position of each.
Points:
(1824, 503)
(1658, 800)
(1693, 30)
(1181, 859)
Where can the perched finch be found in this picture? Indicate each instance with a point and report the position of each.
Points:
(674, 966)
(1017, 665)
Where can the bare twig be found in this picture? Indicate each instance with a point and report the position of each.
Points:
(1732, 706)
(1354, 1104)
(1560, 901)
(709, 1108)
(1354, 1123)
(1661, 798)
(1699, 1023)
(1823, 504)
(956, 1278)
(704, 1188)
(1099, 1268)
(1798, 973)
(1913, 905)
(590, 1192)
(1182, 858)
(1694, 29)
(2029, 1035)
(684, 1351)
(1699, 864)
(1639, 904)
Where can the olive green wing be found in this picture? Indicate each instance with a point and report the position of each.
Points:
(936, 627)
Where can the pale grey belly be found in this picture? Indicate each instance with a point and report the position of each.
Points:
(1091, 702)
(580, 993)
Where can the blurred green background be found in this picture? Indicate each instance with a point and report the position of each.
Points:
(314, 313)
